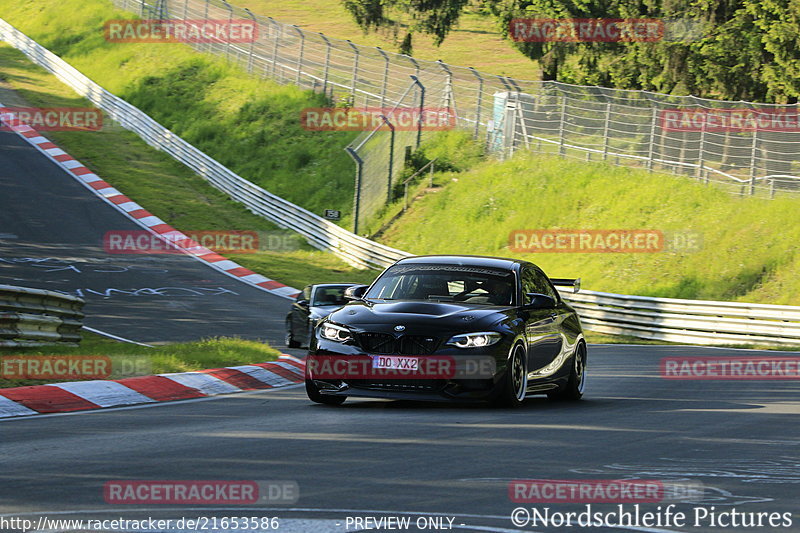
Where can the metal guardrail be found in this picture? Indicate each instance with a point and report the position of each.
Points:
(693, 321)
(36, 317)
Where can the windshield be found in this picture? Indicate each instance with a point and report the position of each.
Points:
(329, 295)
(445, 283)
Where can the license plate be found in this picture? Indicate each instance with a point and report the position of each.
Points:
(393, 362)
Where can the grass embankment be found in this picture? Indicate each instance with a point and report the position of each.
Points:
(179, 357)
(749, 246)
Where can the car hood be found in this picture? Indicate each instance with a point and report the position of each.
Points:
(436, 314)
(319, 311)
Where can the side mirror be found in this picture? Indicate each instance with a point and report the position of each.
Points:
(539, 301)
(356, 292)
(302, 303)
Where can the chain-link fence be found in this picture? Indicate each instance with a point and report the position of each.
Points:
(380, 154)
(620, 126)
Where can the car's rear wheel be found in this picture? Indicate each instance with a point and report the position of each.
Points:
(316, 396)
(575, 385)
(515, 381)
(290, 341)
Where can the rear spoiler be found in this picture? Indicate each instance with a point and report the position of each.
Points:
(567, 282)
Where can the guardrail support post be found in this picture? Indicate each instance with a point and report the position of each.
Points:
(561, 125)
(652, 144)
(448, 96)
(391, 158)
(385, 83)
(753, 159)
(230, 21)
(701, 155)
(300, 54)
(356, 57)
(478, 103)
(327, 65)
(278, 32)
(205, 17)
(252, 43)
(606, 126)
(421, 109)
(357, 188)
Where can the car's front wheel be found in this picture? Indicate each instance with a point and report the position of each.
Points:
(316, 396)
(575, 385)
(515, 381)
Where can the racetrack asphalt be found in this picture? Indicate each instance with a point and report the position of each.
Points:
(373, 458)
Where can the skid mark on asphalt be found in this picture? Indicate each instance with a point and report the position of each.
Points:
(778, 470)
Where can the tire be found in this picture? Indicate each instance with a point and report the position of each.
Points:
(290, 342)
(315, 396)
(515, 381)
(310, 334)
(575, 385)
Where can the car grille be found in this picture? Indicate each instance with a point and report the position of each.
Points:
(384, 343)
(407, 385)
(377, 342)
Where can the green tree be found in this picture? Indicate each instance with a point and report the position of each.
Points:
(431, 17)
(744, 49)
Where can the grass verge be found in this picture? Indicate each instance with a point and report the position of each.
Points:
(748, 246)
(178, 357)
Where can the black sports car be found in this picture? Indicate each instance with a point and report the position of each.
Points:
(450, 327)
(313, 303)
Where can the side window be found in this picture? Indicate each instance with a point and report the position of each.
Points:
(543, 285)
(534, 281)
(528, 279)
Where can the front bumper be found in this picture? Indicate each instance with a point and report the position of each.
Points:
(466, 387)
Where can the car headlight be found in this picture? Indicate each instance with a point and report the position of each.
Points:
(475, 340)
(332, 332)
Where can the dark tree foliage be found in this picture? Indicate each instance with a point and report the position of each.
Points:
(431, 17)
(738, 49)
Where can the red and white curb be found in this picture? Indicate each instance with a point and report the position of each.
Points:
(97, 394)
(144, 218)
